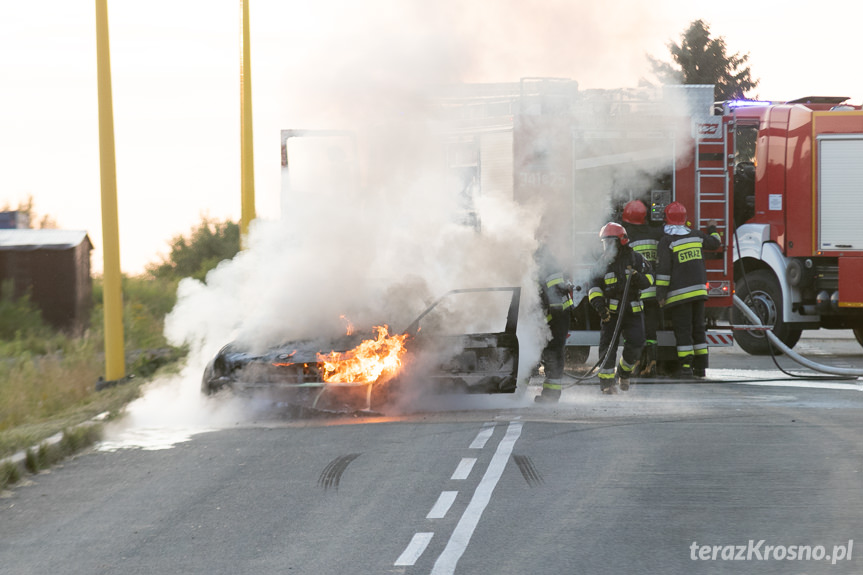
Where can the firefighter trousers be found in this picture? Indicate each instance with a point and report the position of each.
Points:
(652, 321)
(554, 354)
(687, 321)
(632, 331)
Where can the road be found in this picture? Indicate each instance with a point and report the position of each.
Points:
(730, 475)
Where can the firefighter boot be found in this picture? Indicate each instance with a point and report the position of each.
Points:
(606, 384)
(648, 361)
(623, 380)
(685, 371)
(551, 389)
(699, 366)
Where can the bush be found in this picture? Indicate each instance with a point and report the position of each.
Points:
(19, 318)
(208, 244)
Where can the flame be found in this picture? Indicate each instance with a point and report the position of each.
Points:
(366, 362)
(350, 326)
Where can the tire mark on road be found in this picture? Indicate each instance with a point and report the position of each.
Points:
(332, 473)
(528, 470)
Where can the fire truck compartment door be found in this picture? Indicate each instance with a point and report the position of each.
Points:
(850, 286)
(840, 180)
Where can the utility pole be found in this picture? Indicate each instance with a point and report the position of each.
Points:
(115, 360)
(247, 155)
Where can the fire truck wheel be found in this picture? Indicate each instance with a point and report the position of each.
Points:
(760, 291)
(576, 354)
(858, 334)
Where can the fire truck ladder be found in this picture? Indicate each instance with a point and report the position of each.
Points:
(712, 185)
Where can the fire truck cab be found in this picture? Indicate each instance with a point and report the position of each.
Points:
(793, 175)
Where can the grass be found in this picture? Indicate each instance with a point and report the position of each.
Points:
(48, 379)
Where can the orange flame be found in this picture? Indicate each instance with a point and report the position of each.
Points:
(366, 362)
(350, 326)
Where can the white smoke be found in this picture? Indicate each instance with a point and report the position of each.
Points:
(380, 241)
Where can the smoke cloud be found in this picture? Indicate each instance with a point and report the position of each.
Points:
(370, 227)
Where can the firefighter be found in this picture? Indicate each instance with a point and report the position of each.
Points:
(555, 291)
(644, 239)
(681, 286)
(619, 263)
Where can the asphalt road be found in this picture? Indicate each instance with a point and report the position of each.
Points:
(739, 474)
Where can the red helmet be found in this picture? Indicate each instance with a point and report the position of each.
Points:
(675, 214)
(634, 212)
(613, 230)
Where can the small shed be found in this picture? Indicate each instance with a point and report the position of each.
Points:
(53, 266)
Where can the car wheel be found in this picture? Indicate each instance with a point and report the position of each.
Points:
(760, 291)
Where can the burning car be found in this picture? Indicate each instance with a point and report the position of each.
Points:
(464, 342)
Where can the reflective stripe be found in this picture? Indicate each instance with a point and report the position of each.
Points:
(625, 366)
(688, 250)
(565, 305)
(686, 295)
(594, 292)
(686, 243)
(685, 351)
(610, 278)
(554, 279)
(606, 373)
(700, 349)
(662, 280)
(647, 249)
(648, 293)
(549, 385)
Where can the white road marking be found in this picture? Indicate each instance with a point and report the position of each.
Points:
(458, 541)
(444, 502)
(414, 549)
(804, 383)
(464, 468)
(483, 436)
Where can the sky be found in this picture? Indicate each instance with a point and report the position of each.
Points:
(175, 80)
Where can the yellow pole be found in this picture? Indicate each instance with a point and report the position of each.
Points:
(247, 161)
(115, 361)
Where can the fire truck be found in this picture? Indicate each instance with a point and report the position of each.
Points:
(782, 180)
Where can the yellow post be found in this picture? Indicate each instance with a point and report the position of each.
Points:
(115, 360)
(247, 161)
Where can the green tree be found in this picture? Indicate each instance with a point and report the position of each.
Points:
(208, 243)
(700, 59)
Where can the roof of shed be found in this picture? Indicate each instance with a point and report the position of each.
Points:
(26, 240)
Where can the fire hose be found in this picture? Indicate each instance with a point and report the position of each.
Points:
(774, 340)
(612, 348)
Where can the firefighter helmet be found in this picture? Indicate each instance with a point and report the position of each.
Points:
(634, 212)
(613, 230)
(675, 214)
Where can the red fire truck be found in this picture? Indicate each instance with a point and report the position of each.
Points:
(784, 181)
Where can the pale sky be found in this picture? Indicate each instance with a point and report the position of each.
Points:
(175, 69)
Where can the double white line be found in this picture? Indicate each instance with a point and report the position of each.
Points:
(458, 541)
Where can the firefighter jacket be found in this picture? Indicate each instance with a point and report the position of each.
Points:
(644, 239)
(606, 289)
(680, 274)
(554, 285)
